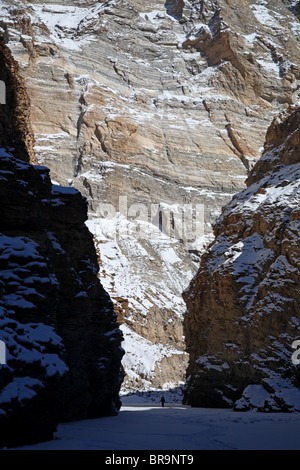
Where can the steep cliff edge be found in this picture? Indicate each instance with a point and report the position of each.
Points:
(243, 306)
(57, 323)
(148, 108)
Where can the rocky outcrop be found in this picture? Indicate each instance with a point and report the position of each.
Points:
(57, 323)
(243, 309)
(148, 107)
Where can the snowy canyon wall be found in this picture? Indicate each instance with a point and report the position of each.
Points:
(149, 107)
(62, 356)
(243, 306)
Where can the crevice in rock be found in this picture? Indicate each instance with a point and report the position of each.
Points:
(234, 138)
(15, 127)
(100, 138)
(79, 162)
(174, 8)
(81, 114)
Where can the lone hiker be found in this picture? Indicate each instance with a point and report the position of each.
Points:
(162, 401)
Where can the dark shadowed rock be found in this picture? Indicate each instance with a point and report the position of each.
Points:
(63, 354)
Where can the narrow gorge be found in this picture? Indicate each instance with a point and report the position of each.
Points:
(148, 109)
(156, 145)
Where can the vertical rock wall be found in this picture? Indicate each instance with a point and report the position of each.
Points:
(243, 313)
(62, 343)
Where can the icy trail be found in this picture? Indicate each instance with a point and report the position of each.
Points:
(176, 427)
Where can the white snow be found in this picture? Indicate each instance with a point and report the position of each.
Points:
(266, 16)
(21, 388)
(269, 65)
(25, 343)
(178, 427)
(142, 356)
(117, 239)
(64, 23)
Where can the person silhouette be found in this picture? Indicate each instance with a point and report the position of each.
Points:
(162, 401)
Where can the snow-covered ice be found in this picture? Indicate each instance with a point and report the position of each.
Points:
(145, 426)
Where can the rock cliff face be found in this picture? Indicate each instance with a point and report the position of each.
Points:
(243, 312)
(62, 343)
(149, 108)
(16, 130)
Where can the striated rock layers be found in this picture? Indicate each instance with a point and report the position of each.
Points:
(57, 323)
(149, 108)
(243, 306)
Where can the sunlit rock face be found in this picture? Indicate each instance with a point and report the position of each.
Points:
(60, 345)
(152, 108)
(243, 315)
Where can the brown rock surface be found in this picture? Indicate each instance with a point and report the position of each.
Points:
(14, 118)
(243, 305)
